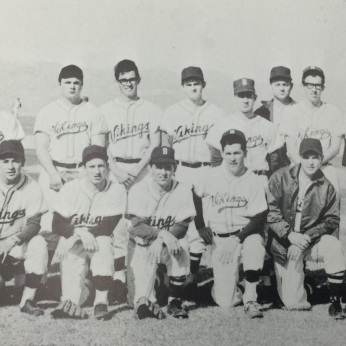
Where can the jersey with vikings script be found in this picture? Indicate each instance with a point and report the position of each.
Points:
(87, 207)
(70, 129)
(232, 200)
(19, 202)
(262, 137)
(189, 125)
(10, 127)
(161, 211)
(304, 121)
(130, 125)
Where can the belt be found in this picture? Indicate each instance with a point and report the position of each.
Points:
(226, 235)
(261, 172)
(123, 160)
(193, 165)
(326, 164)
(67, 165)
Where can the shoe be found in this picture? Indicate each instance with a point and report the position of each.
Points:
(252, 310)
(117, 293)
(147, 309)
(31, 308)
(174, 308)
(335, 309)
(101, 312)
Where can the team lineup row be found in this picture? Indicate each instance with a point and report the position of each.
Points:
(81, 210)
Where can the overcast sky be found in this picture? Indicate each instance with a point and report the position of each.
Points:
(243, 37)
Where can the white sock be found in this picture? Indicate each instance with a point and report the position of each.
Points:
(101, 297)
(250, 294)
(120, 275)
(28, 294)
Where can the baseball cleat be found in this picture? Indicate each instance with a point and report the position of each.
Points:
(101, 312)
(175, 309)
(335, 309)
(252, 310)
(147, 309)
(31, 308)
(117, 293)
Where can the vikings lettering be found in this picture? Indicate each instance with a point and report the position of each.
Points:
(186, 131)
(66, 128)
(8, 217)
(230, 201)
(86, 220)
(161, 223)
(254, 141)
(123, 131)
(318, 134)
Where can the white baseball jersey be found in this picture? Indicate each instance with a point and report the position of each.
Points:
(189, 125)
(10, 127)
(301, 121)
(87, 207)
(261, 135)
(19, 202)
(129, 126)
(70, 129)
(233, 200)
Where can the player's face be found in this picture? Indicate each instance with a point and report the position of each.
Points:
(71, 88)
(281, 89)
(162, 173)
(315, 83)
(128, 84)
(311, 163)
(245, 101)
(96, 171)
(10, 169)
(234, 157)
(193, 89)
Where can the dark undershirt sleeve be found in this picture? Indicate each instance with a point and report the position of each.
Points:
(141, 229)
(256, 225)
(106, 227)
(199, 219)
(62, 226)
(179, 229)
(31, 230)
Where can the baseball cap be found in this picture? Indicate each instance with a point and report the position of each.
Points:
(12, 148)
(233, 136)
(244, 85)
(71, 71)
(163, 155)
(280, 72)
(310, 144)
(192, 71)
(313, 70)
(94, 152)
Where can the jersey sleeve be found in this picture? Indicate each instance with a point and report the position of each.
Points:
(41, 123)
(186, 206)
(64, 199)
(258, 203)
(275, 140)
(287, 126)
(118, 202)
(137, 201)
(36, 203)
(15, 129)
(155, 120)
(166, 122)
(338, 118)
(99, 125)
(214, 135)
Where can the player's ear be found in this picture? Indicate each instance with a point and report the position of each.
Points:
(204, 84)
(255, 97)
(138, 79)
(291, 86)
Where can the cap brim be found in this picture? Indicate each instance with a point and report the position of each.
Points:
(311, 150)
(164, 160)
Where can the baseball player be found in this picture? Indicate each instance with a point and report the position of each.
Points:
(86, 212)
(186, 125)
(303, 214)
(22, 205)
(10, 127)
(62, 130)
(132, 134)
(236, 215)
(313, 118)
(160, 209)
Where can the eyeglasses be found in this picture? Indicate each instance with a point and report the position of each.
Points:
(311, 85)
(125, 81)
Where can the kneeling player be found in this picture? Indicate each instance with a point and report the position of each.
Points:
(236, 213)
(303, 213)
(86, 212)
(22, 206)
(160, 209)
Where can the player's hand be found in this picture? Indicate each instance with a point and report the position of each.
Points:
(125, 178)
(300, 240)
(171, 242)
(294, 253)
(206, 234)
(6, 246)
(56, 182)
(88, 240)
(155, 251)
(64, 246)
(229, 249)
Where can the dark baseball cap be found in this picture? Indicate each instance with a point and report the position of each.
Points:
(94, 152)
(12, 148)
(244, 85)
(192, 72)
(71, 71)
(313, 71)
(278, 72)
(233, 136)
(310, 144)
(163, 155)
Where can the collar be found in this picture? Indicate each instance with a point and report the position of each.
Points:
(308, 107)
(229, 177)
(269, 103)
(124, 104)
(92, 192)
(187, 104)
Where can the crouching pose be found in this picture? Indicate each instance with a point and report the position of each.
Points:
(236, 214)
(22, 205)
(303, 214)
(160, 209)
(86, 212)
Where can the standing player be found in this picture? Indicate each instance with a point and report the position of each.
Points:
(281, 84)
(160, 209)
(22, 205)
(62, 130)
(10, 127)
(133, 125)
(236, 219)
(313, 118)
(303, 214)
(86, 212)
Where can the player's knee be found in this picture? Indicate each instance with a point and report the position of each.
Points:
(38, 246)
(330, 244)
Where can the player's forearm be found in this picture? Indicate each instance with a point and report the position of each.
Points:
(31, 229)
(332, 151)
(292, 150)
(45, 160)
(62, 226)
(106, 227)
(141, 229)
(215, 156)
(199, 219)
(255, 226)
(179, 229)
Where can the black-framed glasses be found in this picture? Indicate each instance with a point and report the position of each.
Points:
(125, 81)
(311, 85)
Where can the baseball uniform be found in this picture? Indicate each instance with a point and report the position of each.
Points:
(10, 127)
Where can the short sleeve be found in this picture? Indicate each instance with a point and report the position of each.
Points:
(275, 141)
(258, 198)
(99, 125)
(187, 207)
(64, 199)
(137, 201)
(36, 203)
(155, 120)
(118, 202)
(287, 126)
(214, 135)
(166, 123)
(41, 123)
